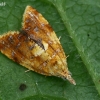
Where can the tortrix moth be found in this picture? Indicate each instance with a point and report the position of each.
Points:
(36, 46)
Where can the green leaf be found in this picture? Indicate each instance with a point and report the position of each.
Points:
(77, 22)
(83, 28)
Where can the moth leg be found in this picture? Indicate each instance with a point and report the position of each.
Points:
(59, 38)
(67, 56)
(27, 71)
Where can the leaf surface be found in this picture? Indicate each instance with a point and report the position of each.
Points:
(77, 22)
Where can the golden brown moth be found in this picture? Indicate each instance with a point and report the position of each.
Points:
(36, 46)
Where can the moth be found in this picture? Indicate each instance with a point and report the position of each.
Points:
(36, 46)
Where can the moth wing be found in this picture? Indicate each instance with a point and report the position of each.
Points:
(20, 49)
(35, 24)
(38, 27)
